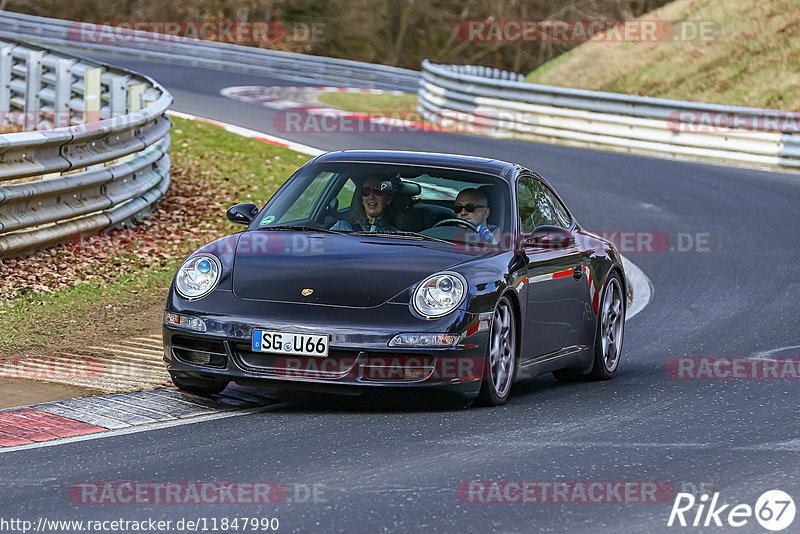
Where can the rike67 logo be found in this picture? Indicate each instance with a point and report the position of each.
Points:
(774, 510)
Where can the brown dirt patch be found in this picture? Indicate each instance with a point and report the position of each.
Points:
(102, 327)
(25, 392)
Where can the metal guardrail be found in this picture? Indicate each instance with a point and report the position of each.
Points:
(92, 150)
(482, 100)
(298, 67)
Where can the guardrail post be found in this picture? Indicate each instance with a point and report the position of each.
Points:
(5, 83)
(118, 98)
(149, 97)
(135, 97)
(91, 95)
(33, 88)
(62, 115)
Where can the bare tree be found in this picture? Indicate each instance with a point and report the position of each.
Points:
(395, 32)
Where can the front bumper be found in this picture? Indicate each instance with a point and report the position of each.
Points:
(359, 358)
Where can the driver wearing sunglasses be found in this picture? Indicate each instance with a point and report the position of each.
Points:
(471, 205)
(370, 214)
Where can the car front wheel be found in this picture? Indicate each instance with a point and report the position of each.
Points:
(501, 362)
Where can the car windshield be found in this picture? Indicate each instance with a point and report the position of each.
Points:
(389, 199)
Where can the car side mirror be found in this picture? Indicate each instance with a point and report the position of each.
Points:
(242, 213)
(552, 237)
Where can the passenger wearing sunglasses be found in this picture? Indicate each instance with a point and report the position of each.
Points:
(471, 205)
(370, 214)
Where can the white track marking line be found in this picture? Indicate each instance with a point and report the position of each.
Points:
(151, 352)
(246, 132)
(108, 385)
(119, 373)
(141, 428)
(773, 351)
(122, 362)
(133, 356)
(148, 355)
(67, 363)
(138, 346)
(641, 286)
(155, 337)
(141, 361)
(111, 348)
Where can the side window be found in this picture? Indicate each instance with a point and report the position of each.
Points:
(345, 196)
(533, 204)
(302, 206)
(560, 213)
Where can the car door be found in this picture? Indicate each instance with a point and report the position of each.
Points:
(556, 274)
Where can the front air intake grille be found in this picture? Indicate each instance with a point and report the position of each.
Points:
(208, 353)
(338, 363)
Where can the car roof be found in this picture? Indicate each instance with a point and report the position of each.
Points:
(502, 169)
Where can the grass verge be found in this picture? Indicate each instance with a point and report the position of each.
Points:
(401, 107)
(376, 104)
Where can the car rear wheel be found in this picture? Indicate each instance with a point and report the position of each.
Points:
(608, 339)
(501, 361)
(201, 386)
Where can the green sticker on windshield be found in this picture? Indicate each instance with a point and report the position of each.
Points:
(266, 220)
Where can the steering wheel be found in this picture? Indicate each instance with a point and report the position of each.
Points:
(457, 222)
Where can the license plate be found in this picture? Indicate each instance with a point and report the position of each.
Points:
(290, 343)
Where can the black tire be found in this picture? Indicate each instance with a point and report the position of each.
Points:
(608, 337)
(501, 357)
(200, 386)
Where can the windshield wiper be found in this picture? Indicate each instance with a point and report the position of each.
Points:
(287, 228)
(415, 235)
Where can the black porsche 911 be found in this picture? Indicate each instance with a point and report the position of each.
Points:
(424, 272)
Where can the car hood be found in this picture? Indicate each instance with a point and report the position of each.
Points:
(340, 270)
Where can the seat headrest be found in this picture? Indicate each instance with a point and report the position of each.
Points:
(497, 204)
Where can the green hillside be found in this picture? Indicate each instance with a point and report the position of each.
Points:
(752, 59)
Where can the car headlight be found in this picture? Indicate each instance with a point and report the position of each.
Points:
(439, 294)
(198, 276)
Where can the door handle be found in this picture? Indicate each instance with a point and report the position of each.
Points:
(577, 272)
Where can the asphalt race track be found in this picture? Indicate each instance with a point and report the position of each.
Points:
(387, 465)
